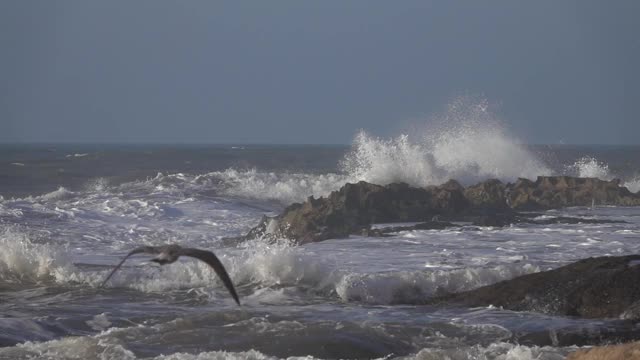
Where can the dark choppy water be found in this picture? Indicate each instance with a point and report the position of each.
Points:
(69, 212)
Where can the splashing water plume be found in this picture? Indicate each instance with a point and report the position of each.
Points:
(467, 144)
(25, 261)
(385, 161)
(590, 167)
(633, 185)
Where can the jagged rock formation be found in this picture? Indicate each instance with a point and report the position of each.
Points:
(490, 194)
(353, 208)
(549, 192)
(603, 287)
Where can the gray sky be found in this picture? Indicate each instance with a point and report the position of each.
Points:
(313, 72)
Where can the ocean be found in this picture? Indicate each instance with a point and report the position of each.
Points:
(69, 213)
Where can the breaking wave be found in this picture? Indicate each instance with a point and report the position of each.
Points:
(467, 143)
(60, 194)
(413, 287)
(256, 265)
(259, 265)
(23, 261)
(285, 187)
(27, 258)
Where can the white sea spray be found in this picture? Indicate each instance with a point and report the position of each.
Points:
(591, 167)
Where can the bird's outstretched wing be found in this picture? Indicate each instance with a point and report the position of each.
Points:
(143, 249)
(213, 261)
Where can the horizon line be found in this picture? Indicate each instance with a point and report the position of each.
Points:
(163, 143)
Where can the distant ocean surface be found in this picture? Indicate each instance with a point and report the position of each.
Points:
(35, 169)
(68, 213)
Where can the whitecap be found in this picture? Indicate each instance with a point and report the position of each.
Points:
(23, 260)
(60, 194)
(416, 286)
(77, 155)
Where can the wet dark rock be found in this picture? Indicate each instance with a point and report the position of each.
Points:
(603, 287)
(550, 192)
(355, 207)
(489, 194)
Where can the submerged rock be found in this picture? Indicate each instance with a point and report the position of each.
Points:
(603, 287)
(355, 207)
(427, 225)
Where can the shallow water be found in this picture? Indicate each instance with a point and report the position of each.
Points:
(342, 298)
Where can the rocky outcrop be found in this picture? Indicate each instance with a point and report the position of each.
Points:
(630, 351)
(353, 208)
(603, 287)
(488, 195)
(549, 192)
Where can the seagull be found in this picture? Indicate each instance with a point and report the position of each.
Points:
(168, 254)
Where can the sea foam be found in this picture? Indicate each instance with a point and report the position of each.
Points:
(497, 351)
(108, 346)
(258, 265)
(413, 287)
(22, 260)
(27, 259)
